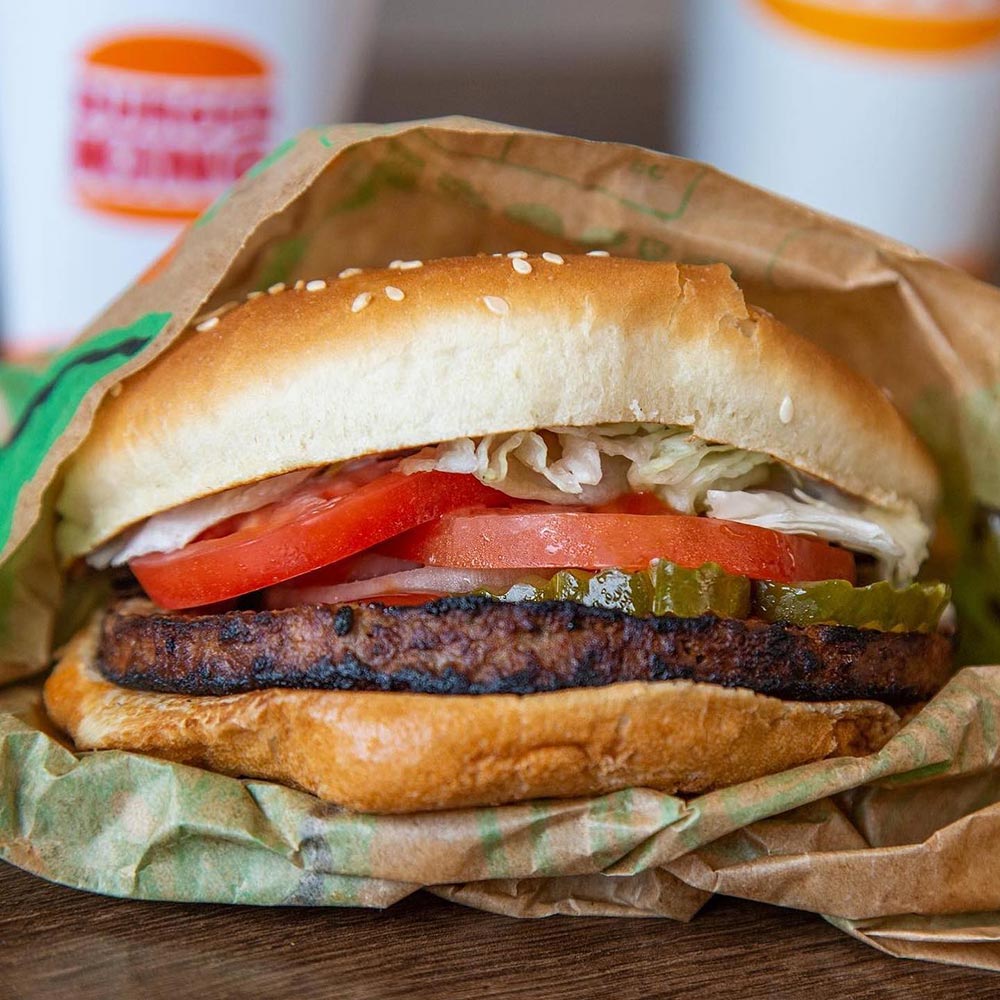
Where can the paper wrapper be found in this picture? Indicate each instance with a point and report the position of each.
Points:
(900, 849)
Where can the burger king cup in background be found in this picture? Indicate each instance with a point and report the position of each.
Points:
(880, 111)
(122, 120)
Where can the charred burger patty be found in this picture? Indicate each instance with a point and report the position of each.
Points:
(475, 645)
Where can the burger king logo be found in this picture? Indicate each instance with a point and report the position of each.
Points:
(906, 26)
(164, 122)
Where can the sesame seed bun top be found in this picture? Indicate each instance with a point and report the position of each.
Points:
(378, 360)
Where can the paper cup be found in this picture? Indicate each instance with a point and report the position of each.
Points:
(121, 120)
(879, 111)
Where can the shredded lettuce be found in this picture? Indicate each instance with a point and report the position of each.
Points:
(591, 465)
(897, 539)
(527, 465)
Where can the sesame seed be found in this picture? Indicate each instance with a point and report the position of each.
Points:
(207, 324)
(410, 265)
(496, 305)
(786, 411)
(317, 285)
(552, 258)
(514, 254)
(349, 272)
(394, 293)
(278, 286)
(496, 254)
(521, 266)
(254, 295)
(299, 285)
(598, 253)
(395, 265)
(361, 301)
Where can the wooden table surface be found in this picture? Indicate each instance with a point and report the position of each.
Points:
(59, 943)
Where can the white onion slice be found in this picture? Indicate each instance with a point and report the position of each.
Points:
(427, 580)
(172, 529)
(364, 566)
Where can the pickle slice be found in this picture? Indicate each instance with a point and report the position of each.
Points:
(668, 589)
(664, 589)
(916, 608)
(688, 592)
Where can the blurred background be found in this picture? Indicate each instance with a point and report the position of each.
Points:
(120, 120)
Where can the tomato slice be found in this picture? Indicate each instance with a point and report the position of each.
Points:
(634, 503)
(587, 540)
(322, 522)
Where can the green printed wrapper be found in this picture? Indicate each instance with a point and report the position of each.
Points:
(901, 849)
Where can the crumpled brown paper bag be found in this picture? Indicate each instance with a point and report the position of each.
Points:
(901, 849)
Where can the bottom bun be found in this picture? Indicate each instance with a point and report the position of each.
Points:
(397, 752)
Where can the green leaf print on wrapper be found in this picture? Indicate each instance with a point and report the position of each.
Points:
(282, 259)
(268, 161)
(651, 248)
(461, 190)
(255, 171)
(18, 384)
(399, 171)
(542, 217)
(593, 235)
(602, 236)
(53, 404)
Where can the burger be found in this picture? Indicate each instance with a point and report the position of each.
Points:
(487, 529)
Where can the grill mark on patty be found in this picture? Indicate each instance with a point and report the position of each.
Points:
(476, 645)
